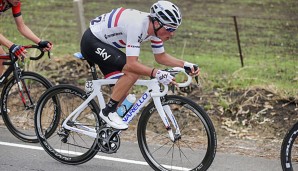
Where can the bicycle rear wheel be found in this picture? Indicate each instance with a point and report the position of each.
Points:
(64, 145)
(18, 112)
(289, 150)
(194, 149)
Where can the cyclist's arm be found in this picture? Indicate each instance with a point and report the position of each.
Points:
(134, 66)
(5, 42)
(168, 60)
(25, 30)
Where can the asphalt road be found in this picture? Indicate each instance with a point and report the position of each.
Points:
(19, 156)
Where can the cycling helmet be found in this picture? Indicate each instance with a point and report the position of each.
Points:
(166, 13)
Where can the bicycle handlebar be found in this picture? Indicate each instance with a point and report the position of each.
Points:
(40, 49)
(14, 59)
(174, 71)
(189, 78)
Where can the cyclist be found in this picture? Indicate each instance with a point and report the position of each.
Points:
(18, 50)
(128, 28)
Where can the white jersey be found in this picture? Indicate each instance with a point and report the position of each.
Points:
(125, 28)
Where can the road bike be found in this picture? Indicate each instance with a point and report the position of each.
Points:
(289, 150)
(20, 92)
(173, 132)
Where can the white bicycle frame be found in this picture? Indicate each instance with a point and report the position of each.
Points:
(153, 91)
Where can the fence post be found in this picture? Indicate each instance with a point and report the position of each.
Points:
(79, 12)
(238, 41)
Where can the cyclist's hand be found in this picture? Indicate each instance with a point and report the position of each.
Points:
(18, 50)
(45, 45)
(191, 69)
(164, 77)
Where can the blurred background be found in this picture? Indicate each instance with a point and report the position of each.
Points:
(268, 32)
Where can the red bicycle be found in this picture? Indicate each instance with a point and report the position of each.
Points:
(20, 93)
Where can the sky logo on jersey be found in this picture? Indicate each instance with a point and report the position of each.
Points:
(102, 53)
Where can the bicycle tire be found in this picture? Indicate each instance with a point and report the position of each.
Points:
(19, 118)
(289, 150)
(195, 125)
(63, 145)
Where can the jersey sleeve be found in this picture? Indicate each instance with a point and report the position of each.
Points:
(133, 45)
(16, 10)
(157, 45)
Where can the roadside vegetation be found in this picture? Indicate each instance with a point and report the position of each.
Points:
(268, 33)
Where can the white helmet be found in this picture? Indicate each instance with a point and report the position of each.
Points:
(167, 13)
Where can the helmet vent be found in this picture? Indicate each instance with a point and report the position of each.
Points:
(163, 16)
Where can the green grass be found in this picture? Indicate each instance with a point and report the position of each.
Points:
(268, 32)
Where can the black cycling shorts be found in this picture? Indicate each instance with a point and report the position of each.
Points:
(109, 59)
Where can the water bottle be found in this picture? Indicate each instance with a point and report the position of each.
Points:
(126, 105)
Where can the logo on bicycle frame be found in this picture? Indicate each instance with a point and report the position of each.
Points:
(135, 107)
(3, 78)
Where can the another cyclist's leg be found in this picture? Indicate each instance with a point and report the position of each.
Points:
(65, 145)
(110, 61)
(2, 52)
(289, 150)
(18, 105)
(195, 142)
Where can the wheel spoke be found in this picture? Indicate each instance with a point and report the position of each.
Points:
(19, 114)
(62, 144)
(189, 149)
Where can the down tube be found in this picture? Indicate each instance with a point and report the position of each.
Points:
(137, 107)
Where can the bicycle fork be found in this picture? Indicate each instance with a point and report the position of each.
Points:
(22, 87)
(165, 113)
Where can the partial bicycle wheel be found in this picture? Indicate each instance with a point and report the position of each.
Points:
(64, 145)
(289, 150)
(17, 106)
(193, 149)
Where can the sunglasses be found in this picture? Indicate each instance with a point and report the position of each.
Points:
(169, 29)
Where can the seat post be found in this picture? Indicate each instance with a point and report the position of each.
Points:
(93, 70)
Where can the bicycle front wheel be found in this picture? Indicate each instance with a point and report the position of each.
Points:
(66, 146)
(289, 150)
(194, 147)
(17, 106)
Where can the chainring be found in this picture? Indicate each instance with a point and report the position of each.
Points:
(108, 140)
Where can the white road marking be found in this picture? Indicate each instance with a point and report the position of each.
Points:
(96, 156)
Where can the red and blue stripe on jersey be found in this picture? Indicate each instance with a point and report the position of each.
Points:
(156, 44)
(113, 22)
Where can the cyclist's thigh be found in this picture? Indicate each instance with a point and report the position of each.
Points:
(109, 59)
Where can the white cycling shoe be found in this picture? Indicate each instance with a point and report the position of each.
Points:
(114, 120)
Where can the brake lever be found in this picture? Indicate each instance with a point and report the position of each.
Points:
(188, 71)
(197, 79)
(49, 54)
(22, 59)
(172, 87)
